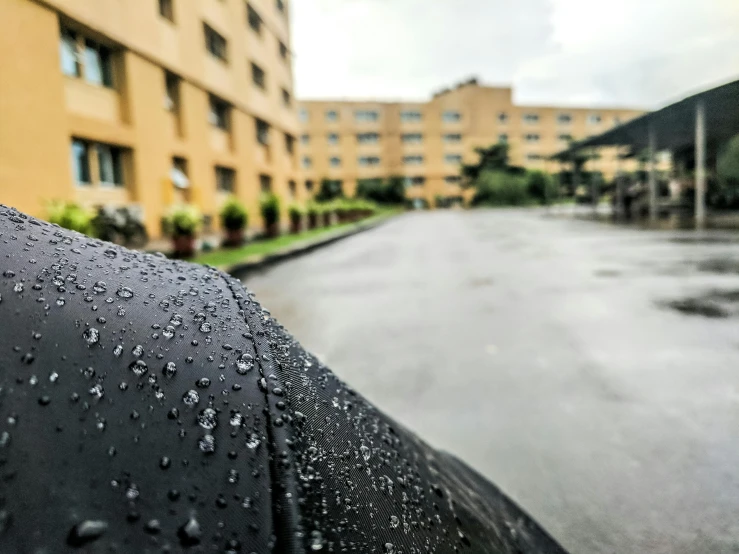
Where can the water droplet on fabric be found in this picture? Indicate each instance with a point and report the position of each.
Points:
(244, 363)
(91, 336)
(365, 452)
(170, 369)
(86, 531)
(124, 292)
(208, 418)
(138, 351)
(207, 444)
(394, 522)
(190, 533)
(139, 368)
(191, 397)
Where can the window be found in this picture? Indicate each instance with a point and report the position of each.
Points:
(532, 137)
(410, 116)
(178, 173)
(452, 137)
(308, 185)
(412, 138)
(594, 119)
(307, 162)
(565, 138)
(225, 179)
(452, 158)
(412, 160)
(257, 75)
(368, 138)
(415, 181)
(166, 10)
(366, 115)
(286, 100)
(81, 162)
(98, 65)
(369, 160)
(292, 188)
(289, 144)
(533, 157)
(219, 113)
(304, 139)
(531, 118)
(214, 43)
(332, 138)
(255, 21)
(503, 138)
(502, 117)
(303, 115)
(451, 117)
(265, 183)
(172, 92)
(280, 6)
(332, 115)
(110, 165)
(452, 179)
(68, 53)
(283, 50)
(262, 128)
(564, 119)
(335, 162)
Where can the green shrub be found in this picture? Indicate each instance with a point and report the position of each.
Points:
(70, 216)
(269, 204)
(296, 211)
(182, 220)
(234, 216)
(499, 188)
(541, 187)
(313, 208)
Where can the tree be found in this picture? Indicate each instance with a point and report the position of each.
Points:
(541, 187)
(500, 188)
(391, 191)
(492, 158)
(331, 189)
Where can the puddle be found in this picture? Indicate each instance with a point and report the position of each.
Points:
(607, 273)
(714, 304)
(719, 265)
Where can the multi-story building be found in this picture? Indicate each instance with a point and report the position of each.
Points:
(146, 102)
(426, 142)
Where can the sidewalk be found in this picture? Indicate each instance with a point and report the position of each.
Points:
(258, 255)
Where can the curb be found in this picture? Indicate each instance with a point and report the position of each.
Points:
(242, 269)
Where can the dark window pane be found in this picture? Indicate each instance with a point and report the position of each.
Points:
(68, 53)
(80, 162)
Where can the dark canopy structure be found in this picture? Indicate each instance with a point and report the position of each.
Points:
(701, 121)
(673, 126)
(149, 405)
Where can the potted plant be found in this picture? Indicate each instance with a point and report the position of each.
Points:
(312, 210)
(270, 208)
(326, 210)
(296, 212)
(234, 219)
(182, 223)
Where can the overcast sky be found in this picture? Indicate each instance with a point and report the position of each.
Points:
(640, 53)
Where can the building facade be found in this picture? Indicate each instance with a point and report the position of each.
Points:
(147, 103)
(426, 142)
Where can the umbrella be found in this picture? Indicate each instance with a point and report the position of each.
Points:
(151, 405)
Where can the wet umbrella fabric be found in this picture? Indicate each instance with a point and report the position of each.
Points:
(149, 405)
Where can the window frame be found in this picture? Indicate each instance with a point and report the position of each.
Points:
(406, 117)
(413, 159)
(214, 42)
(222, 171)
(86, 167)
(369, 161)
(262, 130)
(531, 118)
(306, 162)
(69, 53)
(253, 19)
(405, 138)
(446, 138)
(451, 116)
(114, 155)
(457, 159)
(364, 138)
(219, 114)
(166, 10)
(366, 116)
(103, 58)
(258, 76)
(332, 139)
(289, 144)
(334, 161)
(564, 119)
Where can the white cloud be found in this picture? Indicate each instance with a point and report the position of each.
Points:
(630, 52)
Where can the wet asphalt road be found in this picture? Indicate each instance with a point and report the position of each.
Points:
(540, 351)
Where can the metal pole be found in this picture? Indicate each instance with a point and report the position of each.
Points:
(653, 213)
(700, 165)
(619, 186)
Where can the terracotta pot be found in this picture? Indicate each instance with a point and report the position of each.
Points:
(234, 237)
(272, 230)
(184, 246)
(312, 221)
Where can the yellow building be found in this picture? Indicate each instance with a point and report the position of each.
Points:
(426, 141)
(146, 102)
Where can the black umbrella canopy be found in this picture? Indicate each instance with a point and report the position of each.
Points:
(149, 405)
